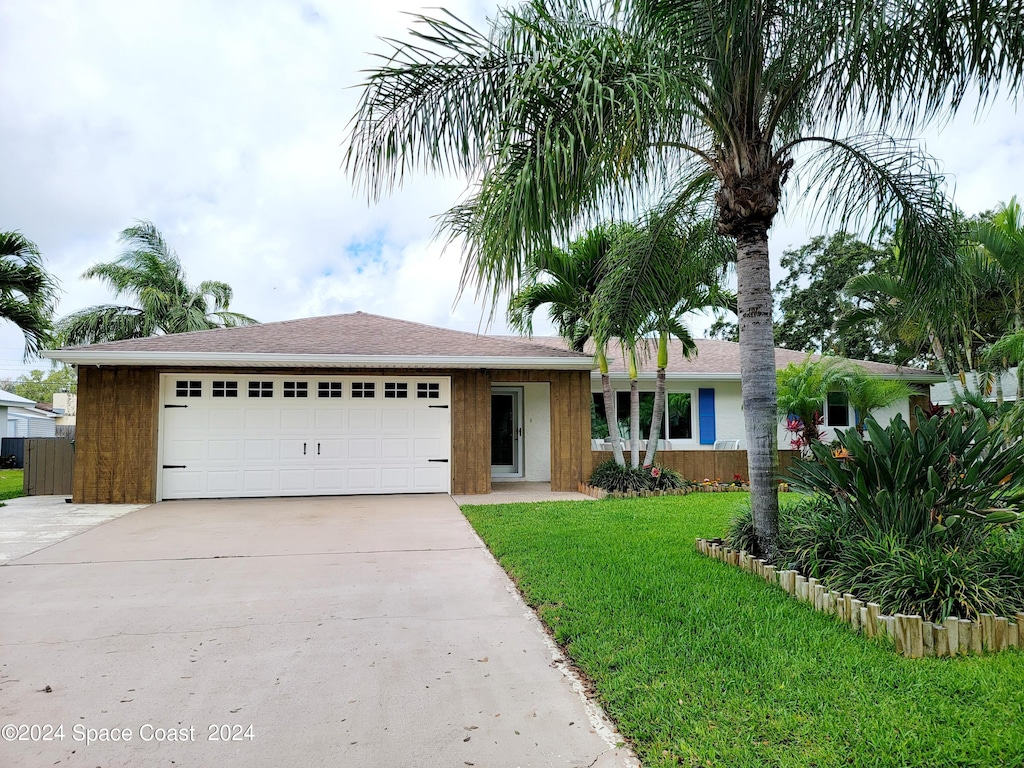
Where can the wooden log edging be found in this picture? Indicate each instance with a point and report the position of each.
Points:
(910, 635)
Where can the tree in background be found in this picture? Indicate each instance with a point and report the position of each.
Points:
(149, 272)
(28, 293)
(810, 299)
(40, 386)
(565, 110)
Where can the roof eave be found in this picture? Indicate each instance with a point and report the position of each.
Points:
(921, 377)
(273, 360)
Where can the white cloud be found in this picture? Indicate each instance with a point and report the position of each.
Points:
(224, 123)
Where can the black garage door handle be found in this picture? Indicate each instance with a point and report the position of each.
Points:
(175, 466)
(441, 460)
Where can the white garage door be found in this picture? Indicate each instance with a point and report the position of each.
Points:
(226, 436)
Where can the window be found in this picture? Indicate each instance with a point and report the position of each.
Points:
(363, 389)
(837, 410)
(680, 418)
(646, 411)
(295, 389)
(396, 389)
(261, 389)
(188, 388)
(678, 423)
(225, 389)
(329, 389)
(428, 389)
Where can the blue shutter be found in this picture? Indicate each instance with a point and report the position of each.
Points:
(706, 415)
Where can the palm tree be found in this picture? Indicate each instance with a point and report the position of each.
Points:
(802, 392)
(28, 293)
(659, 272)
(565, 282)
(565, 110)
(868, 393)
(1002, 239)
(150, 272)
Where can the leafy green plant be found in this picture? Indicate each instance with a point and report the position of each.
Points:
(612, 477)
(947, 479)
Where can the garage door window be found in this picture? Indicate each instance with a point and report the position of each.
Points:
(188, 388)
(296, 389)
(428, 390)
(329, 389)
(396, 390)
(261, 389)
(225, 389)
(363, 389)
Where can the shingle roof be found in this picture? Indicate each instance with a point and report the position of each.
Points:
(723, 357)
(356, 334)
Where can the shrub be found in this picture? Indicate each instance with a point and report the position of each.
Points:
(612, 477)
(921, 523)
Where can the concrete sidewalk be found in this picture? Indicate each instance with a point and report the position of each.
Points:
(357, 631)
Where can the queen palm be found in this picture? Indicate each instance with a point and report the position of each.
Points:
(565, 110)
(28, 292)
(149, 271)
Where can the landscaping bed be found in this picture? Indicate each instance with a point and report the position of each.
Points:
(705, 665)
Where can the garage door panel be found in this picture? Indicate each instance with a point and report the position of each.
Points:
(321, 445)
(226, 420)
(224, 450)
(260, 450)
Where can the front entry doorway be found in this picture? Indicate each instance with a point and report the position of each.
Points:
(507, 432)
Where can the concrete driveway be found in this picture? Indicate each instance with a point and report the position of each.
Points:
(359, 631)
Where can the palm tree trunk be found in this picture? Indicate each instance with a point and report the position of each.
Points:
(634, 411)
(757, 372)
(659, 401)
(940, 357)
(999, 388)
(609, 409)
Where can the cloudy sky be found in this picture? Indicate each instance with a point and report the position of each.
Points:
(224, 123)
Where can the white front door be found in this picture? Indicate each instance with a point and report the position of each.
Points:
(224, 435)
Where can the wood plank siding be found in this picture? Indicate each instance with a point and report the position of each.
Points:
(712, 465)
(115, 435)
(118, 416)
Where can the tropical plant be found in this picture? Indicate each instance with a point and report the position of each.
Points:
(566, 282)
(802, 392)
(28, 293)
(149, 272)
(868, 393)
(659, 272)
(612, 476)
(565, 110)
(1002, 238)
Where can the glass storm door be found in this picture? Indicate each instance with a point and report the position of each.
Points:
(506, 432)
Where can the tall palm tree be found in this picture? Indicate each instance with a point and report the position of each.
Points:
(566, 282)
(150, 272)
(564, 110)
(28, 293)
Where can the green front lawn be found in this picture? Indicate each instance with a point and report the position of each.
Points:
(704, 665)
(11, 483)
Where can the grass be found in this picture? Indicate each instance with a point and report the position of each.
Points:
(11, 483)
(704, 665)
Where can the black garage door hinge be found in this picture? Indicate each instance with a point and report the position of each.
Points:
(437, 406)
(168, 405)
(441, 460)
(175, 466)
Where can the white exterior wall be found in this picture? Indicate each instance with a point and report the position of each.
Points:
(7, 429)
(536, 431)
(729, 411)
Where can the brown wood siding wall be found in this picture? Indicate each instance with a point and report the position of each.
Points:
(115, 436)
(118, 413)
(711, 465)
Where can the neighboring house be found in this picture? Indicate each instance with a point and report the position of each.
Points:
(31, 422)
(941, 394)
(10, 400)
(358, 403)
(65, 405)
